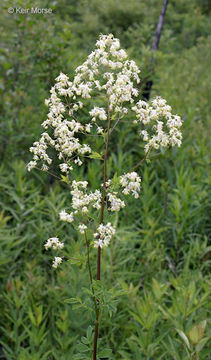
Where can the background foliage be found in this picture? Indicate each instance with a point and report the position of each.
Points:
(156, 271)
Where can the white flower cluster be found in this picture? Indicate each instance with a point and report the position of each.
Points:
(117, 80)
(103, 235)
(39, 150)
(65, 140)
(53, 243)
(98, 112)
(82, 228)
(81, 200)
(64, 216)
(163, 133)
(131, 182)
(57, 261)
(107, 72)
(115, 203)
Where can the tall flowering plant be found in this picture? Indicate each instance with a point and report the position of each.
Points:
(110, 78)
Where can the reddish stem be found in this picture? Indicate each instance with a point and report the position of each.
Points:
(99, 248)
(98, 262)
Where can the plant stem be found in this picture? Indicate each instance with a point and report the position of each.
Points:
(90, 273)
(99, 248)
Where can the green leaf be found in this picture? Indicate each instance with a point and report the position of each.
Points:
(65, 179)
(31, 316)
(105, 353)
(201, 344)
(95, 155)
(72, 301)
(80, 357)
(184, 337)
(156, 286)
(76, 262)
(137, 317)
(89, 333)
(116, 179)
(84, 340)
(39, 314)
(197, 332)
(78, 306)
(82, 347)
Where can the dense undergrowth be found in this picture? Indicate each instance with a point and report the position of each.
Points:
(157, 267)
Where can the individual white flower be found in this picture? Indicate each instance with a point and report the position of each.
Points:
(99, 130)
(88, 127)
(45, 167)
(62, 78)
(31, 165)
(75, 107)
(57, 261)
(145, 135)
(82, 228)
(64, 167)
(78, 161)
(108, 183)
(47, 102)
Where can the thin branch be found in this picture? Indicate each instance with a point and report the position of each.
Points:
(140, 162)
(118, 120)
(50, 173)
(90, 224)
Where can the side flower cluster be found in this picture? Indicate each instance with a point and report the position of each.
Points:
(57, 261)
(103, 235)
(64, 216)
(64, 132)
(81, 201)
(165, 127)
(55, 244)
(115, 203)
(131, 182)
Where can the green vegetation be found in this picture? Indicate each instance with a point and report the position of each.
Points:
(156, 270)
